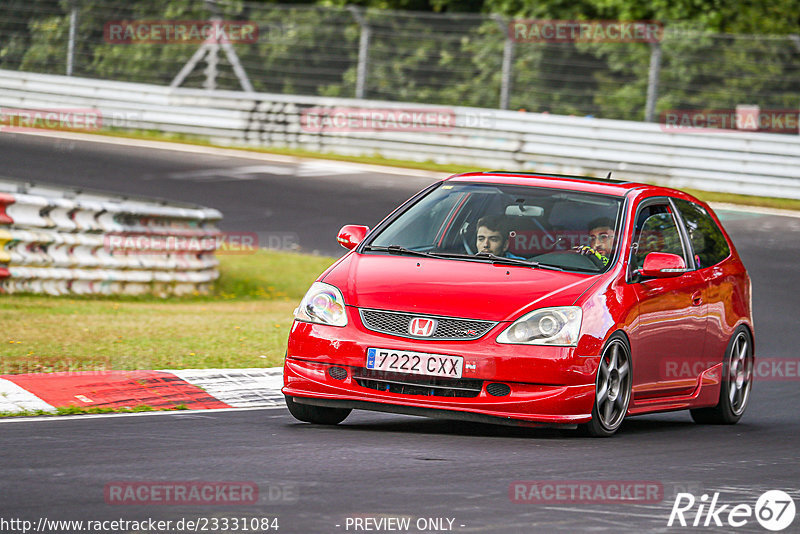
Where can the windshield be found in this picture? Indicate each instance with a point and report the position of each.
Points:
(552, 227)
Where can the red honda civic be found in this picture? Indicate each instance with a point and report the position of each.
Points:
(530, 299)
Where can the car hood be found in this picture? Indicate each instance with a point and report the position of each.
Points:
(456, 288)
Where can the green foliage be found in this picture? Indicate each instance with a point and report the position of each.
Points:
(73, 409)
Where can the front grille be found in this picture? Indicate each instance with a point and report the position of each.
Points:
(447, 328)
(429, 386)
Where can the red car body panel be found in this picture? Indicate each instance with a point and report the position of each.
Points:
(430, 286)
(672, 324)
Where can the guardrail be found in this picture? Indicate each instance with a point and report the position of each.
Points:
(715, 160)
(62, 241)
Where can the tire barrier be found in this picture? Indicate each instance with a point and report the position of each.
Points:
(59, 241)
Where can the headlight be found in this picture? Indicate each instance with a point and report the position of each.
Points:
(322, 304)
(548, 326)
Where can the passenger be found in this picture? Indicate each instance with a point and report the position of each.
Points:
(493, 237)
(601, 240)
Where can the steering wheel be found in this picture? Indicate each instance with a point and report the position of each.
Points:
(570, 258)
(592, 258)
(463, 233)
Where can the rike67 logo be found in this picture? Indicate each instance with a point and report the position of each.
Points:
(774, 510)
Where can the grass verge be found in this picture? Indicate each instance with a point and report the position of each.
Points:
(245, 323)
(80, 410)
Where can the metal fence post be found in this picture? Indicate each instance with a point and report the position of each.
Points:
(652, 82)
(212, 61)
(508, 59)
(363, 51)
(73, 22)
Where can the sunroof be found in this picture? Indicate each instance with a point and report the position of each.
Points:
(571, 176)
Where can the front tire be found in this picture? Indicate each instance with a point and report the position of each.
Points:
(737, 380)
(319, 415)
(612, 389)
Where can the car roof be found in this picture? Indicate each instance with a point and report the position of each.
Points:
(588, 184)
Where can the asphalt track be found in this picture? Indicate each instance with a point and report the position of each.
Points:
(314, 478)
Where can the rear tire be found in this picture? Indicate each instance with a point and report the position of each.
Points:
(737, 380)
(613, 387)
(318, 415)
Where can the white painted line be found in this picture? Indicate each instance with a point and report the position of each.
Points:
(312, 168)
(15, 399)
(89, 417)
(231, 152)
(304, 169)
(239, 173)
(753, 209)
(238, 387)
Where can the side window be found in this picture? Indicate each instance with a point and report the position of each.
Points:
(655, 231)
(708, 242)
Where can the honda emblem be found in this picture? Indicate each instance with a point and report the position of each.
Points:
(422, 327)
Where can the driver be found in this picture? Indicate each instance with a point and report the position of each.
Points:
(493, 236)
(601, 239)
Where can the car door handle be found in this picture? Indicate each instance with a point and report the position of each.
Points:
(697, 298)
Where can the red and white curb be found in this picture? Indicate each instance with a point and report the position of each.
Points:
(195, 389)
(239, 388)
(14, 398)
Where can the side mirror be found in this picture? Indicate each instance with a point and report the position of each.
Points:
(351, 235)
(662, 265)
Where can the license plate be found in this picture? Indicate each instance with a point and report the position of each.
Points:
(415, 363)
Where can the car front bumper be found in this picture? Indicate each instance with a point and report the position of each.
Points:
(548, 385)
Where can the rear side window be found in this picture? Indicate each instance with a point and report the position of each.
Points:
(708, 242)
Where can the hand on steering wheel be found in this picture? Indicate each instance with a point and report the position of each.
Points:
(592, 254)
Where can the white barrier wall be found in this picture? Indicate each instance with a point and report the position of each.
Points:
(59, 241)
(715, 160)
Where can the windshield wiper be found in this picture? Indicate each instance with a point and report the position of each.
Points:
(506, 261)
(480, 256)
(513, 261)
(497, 259)
(397, 249)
